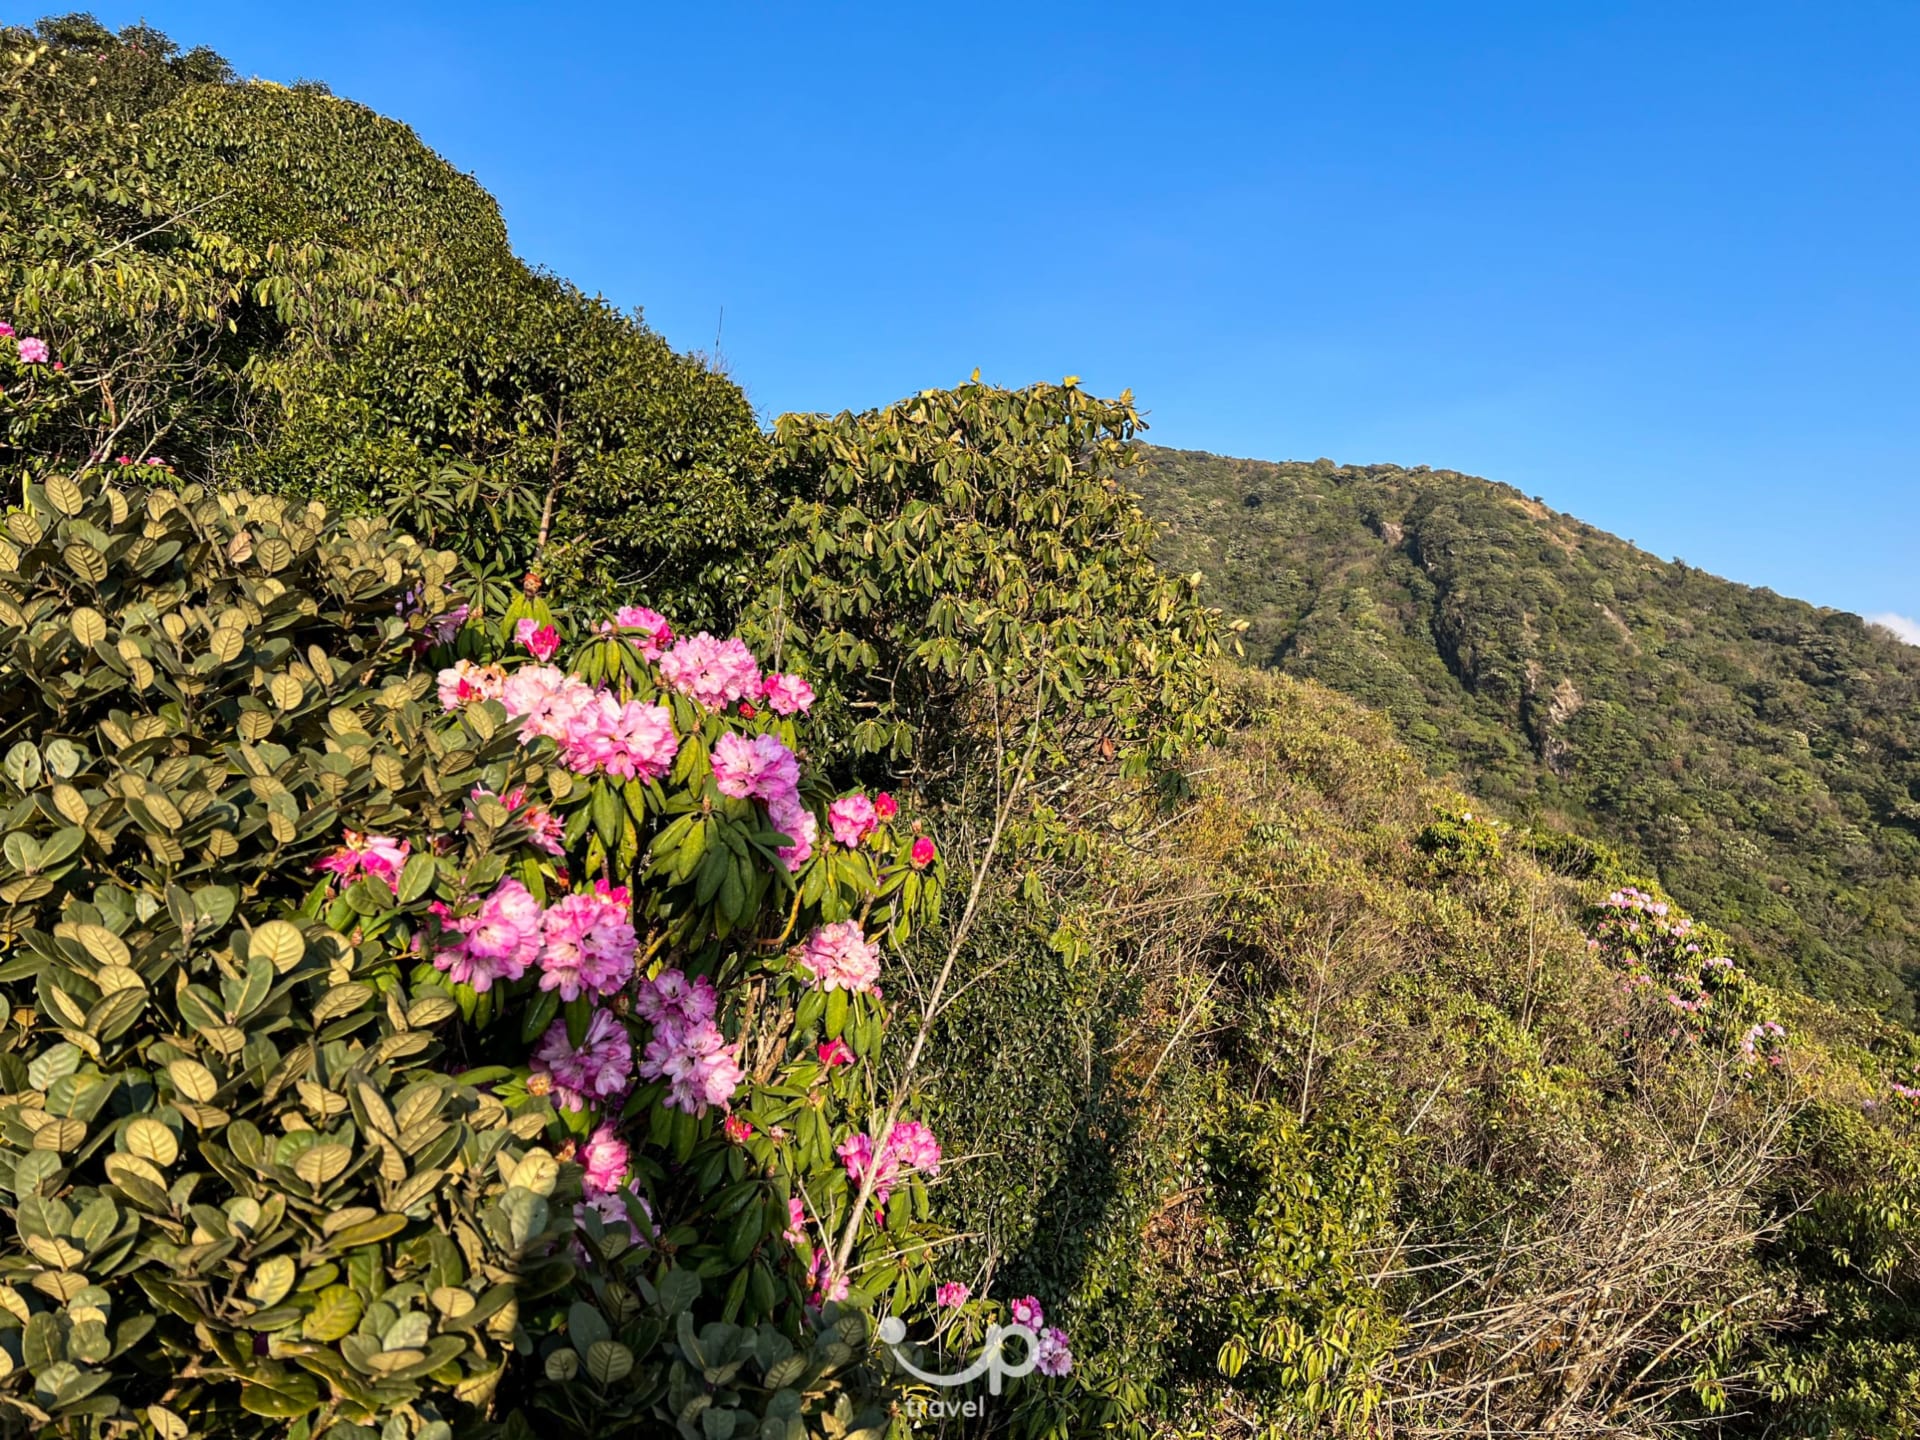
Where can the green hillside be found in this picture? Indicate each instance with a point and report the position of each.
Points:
(1763, 755)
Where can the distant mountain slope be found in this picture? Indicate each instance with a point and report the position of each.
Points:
(1763, 753)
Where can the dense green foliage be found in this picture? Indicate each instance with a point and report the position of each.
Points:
(1762, 755)
(288, 290)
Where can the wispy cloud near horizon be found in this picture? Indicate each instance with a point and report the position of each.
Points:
(1903, 626)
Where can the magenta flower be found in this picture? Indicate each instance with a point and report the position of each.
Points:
(671, 999)
(600, 1068)
(33, 351)
(377, 856)
(798, 824)
(588, 943)
(885, 807)
(737, 1129)
(796, 1230)
(1027, 1312)
(834, 1053)
(655, 634)
(840, 957)
(827, 1283)
(910, 1147)
(540, 640)
(852, 818)
(605, 1158)
(6, 331)
(952, 1295)
(923, 852)
(687, 1048)
(788, 694)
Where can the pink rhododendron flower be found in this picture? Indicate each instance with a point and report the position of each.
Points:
(33, 351)
(1027, 1312)
(885, 807)
(952, 1295)
(631, 740)
(798, 824)
(834, 1053)
(378, 856)
(545, 830)
(464, 682)
(497, 942)
(761, 768)
(672, 999)
(540, 640)
(840, 957)
(852, 819)
(687, 1048)
(737, 1129)
(910, 1147)
(601, 1067)
(655, 633)
(788, 694)
(545, 700)
(923, 852)
(588, 943)
(6, 331)
(444, 628)
(604, 1157)
(796, 1230)
(714, 672)
(827, 1284)
(1050, 1353)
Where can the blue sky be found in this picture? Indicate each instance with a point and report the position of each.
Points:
(1655, 263)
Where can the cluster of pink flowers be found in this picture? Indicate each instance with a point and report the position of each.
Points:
(787, 694)
(1655, 947)
(605, 1159)
(1766, 1040)
(594, 729)
(713, 672)
(852, 818)
(952, 1295)
(840, 957)
(687, 1048)
(1909, 1093)
(655, 633)
(465, 683)
(585, 942)
(600, 1068)
(762, 768)
(545, 831)
(910, 1147)
(33, 350)
(588, 942)
(379, 857)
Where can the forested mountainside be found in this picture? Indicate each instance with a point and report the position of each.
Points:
(1762, 754)
(535, 907)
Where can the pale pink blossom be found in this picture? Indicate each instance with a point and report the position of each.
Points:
(463, 683)
(798, 824)
(33, 351)
(714, 672)
(497, 942)
(1051, 1356)
(840, 957)
(655, 634)
(761, 768)
(588, 943)
(604, 1157)
(631, 740)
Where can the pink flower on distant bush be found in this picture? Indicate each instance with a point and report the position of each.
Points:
(464, 682)
(540, 640)
(714, 672)
(33, 351)
(377, 856)
(885, 807)
(923, 852)
(1050, 1353)
(601, 1067)
(655, 633)
(840, 957)
(795, 821)
(910, 1147)
(6, 331)
(834, 1053)
(852, 819)
(952, 1295)
(761, 768)
(788, 694)
(1027, 1312)
(497, 942)
(604, 1157)
(588, 943)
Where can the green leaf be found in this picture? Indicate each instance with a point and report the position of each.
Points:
(333, 1316)
(416, 878)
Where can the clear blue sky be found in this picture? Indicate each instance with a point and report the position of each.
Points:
(1656, 263)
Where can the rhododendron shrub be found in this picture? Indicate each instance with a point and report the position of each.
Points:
(1681, 986)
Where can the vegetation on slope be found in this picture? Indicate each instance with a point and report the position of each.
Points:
(1760, 754)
